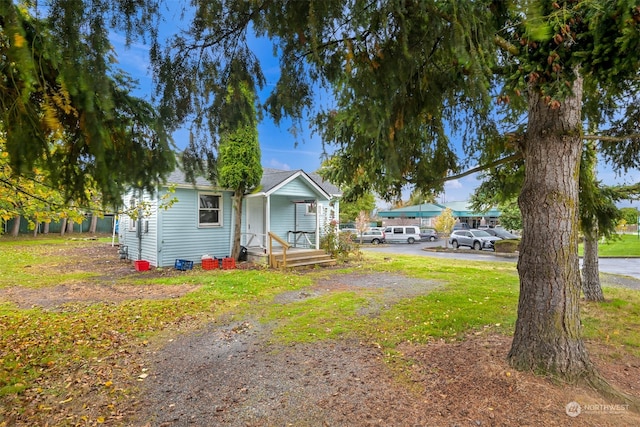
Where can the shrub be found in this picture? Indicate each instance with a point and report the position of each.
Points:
(338, 245)
(508, 246)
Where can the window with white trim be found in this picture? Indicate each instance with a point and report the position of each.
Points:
(209, 210)
(311, 209)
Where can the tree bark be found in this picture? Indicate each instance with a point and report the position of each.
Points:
(547, 335)
(590, 271)
(63, 226)
(94, 223)
(46, 228)
(15, 230)
(237, 228)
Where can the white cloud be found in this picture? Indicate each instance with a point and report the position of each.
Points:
(134, 58)
(453, 184)
(276, 164)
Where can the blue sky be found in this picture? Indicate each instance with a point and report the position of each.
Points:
(278, 145)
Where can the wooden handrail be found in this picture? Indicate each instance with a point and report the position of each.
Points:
(285, 246)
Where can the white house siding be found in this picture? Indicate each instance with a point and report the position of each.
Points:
(181, 236)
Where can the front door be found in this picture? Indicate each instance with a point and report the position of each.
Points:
(255, 222)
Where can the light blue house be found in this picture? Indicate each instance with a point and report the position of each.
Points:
(294, 205)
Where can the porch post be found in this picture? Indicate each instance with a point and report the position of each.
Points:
(267, 216)
(317, 225)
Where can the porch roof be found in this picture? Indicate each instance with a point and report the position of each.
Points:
(274, 179)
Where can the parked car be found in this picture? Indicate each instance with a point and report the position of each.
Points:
(402, 234)
(428, 234)
(502, 233)
(473, 238)
(372, 236)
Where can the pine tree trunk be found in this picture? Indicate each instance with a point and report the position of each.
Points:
(237, 229)
(547, 336)
(590, 272)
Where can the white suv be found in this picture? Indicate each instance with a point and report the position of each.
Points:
(402, 234)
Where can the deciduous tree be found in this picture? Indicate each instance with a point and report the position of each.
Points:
(444, 223)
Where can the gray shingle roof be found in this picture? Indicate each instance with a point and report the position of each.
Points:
(271, 178)
(178, 177)
(325, 185)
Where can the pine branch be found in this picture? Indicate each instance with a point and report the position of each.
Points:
(607, 138)
(509, 159)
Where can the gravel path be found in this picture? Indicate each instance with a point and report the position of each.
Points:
(229, 374)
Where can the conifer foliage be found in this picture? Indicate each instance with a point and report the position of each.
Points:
(66, 109)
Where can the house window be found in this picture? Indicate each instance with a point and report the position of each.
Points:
(132, 220)
(209, 210)
(311, 209)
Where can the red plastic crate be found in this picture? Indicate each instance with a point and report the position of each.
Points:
(210, 264)
(142, 265)
(228, 263)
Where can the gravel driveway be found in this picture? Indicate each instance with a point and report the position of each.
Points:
(230, 375)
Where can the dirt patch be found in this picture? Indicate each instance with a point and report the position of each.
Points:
(54, 297)
(112, 285)
(390, 288)
(229, 376)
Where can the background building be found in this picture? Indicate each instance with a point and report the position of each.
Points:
(424, 214)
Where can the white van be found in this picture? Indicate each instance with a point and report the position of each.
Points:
(402, 234)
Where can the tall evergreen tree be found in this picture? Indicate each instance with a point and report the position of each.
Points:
(239, 165)
(408, 76)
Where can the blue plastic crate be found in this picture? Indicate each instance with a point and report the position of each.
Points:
(183, 264)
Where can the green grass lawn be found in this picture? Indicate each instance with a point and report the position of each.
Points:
(623, 245)
(41, 349)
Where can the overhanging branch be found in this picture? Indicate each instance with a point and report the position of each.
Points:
(606, 138)
(509, 159)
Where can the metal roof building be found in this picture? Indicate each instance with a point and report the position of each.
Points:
(424, 213)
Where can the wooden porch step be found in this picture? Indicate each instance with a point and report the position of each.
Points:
(306, 258)
(306, 263)
(291, 255)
